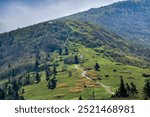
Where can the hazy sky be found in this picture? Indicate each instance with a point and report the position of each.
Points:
(20, 13)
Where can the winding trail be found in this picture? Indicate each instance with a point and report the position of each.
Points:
(84, 74)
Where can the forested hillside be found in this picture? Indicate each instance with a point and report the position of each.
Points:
(20, 48)
(129, 19)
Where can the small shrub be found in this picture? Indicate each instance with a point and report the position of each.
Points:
(107, 75)
(114, 70)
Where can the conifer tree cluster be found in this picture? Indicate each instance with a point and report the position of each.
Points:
(52, 82)
(146, 89)
(10, 91)
(126, 90)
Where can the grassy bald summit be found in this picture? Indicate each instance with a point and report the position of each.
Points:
(67, 59)
(129, 19)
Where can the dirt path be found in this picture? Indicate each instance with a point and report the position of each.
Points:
(107, 88)
(84, 74)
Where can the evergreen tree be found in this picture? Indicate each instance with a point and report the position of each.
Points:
(66, 51)
(122, 91)
(37, 78)
(13, 73)
(2, 94)
(37, 55)
(9, 93)
(20, 82)
(6, 85)
(54, 70)
(22, 91)
(80, 98)
(146, 89)
(36, 66)
(52, 83)
(76, 59)
(116, 94)
(16, 96)
(15, 86)
(128, 88)
(27, 82)
(97, 67)
(60, 51)
(133, 89)
(21, 98)
(47, 73)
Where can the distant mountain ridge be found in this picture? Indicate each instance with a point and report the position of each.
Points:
(129, 19)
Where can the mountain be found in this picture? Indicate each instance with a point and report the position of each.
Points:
(73, 58)
(129, 19)
(20, 48)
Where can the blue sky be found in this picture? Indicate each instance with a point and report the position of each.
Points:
(21, 13)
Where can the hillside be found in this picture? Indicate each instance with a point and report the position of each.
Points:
(71, 86)
(129, 19)
(19, 48)
(38, 62)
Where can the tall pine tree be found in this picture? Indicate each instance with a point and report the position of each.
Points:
(97, 67)
(122, 91)
(37, 78)
(146, 89)
(76, 60)
(36, 66)
(133, 89)
(52, 83)
(66, 51)
(54, 70)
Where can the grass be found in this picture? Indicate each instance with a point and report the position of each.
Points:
(72, 87)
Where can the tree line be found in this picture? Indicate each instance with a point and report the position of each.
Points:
(125, 90)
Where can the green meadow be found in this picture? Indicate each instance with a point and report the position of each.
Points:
(73, 86)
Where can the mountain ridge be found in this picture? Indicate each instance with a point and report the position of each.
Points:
(129, 19)
(20, 47)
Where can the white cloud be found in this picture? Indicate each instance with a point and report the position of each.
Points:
(20, 15)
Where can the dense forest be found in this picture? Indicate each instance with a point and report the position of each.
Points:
(129, 19)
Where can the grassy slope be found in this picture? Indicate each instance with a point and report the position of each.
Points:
(76, 83)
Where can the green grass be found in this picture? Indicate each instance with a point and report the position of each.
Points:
(40, 91)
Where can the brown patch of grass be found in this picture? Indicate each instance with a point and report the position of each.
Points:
(76, 90)
(64, 85)
(85, 83)
(93, 74)
(59, 95)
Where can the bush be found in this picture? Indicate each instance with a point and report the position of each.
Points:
(107, 75)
